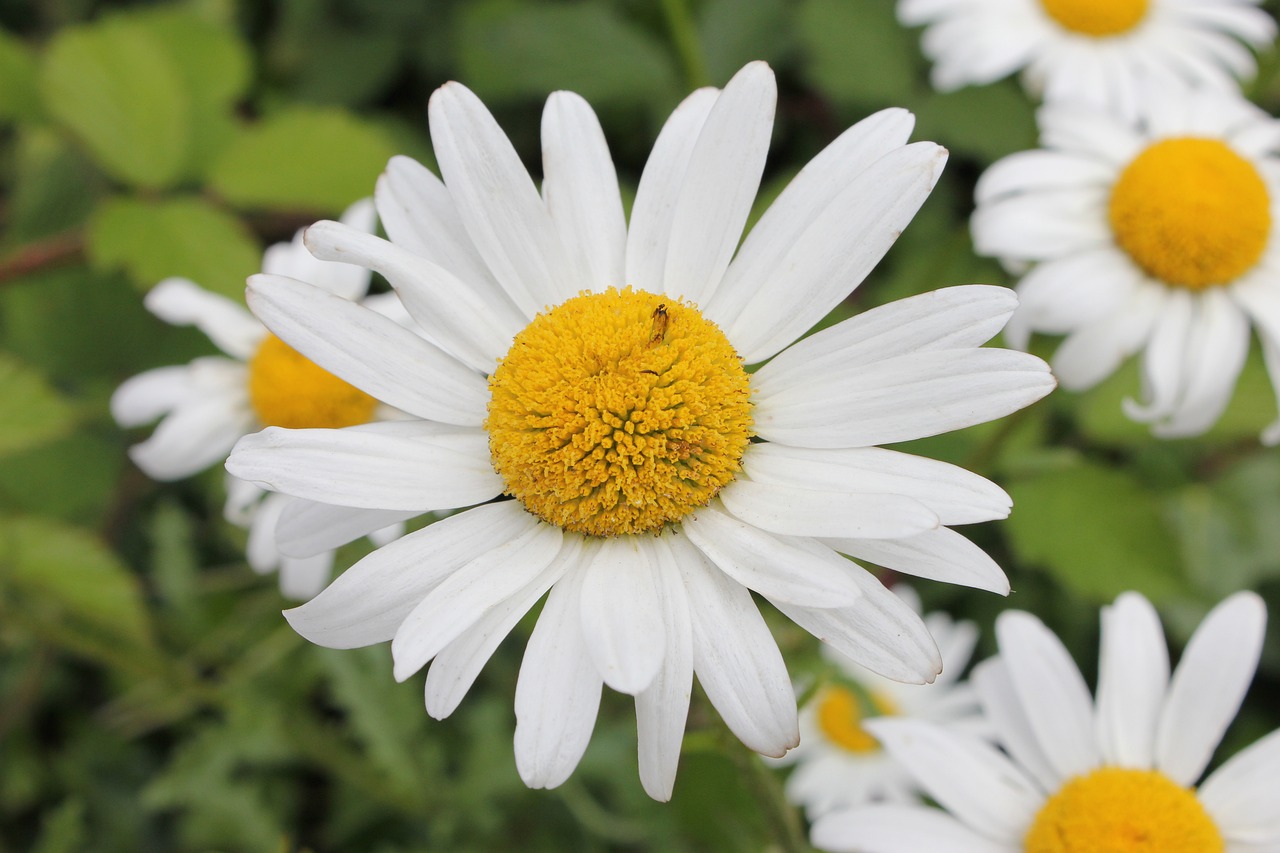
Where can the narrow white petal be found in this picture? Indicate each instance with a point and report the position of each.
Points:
(784, 568)
(181, 302)
(557, 692)
(1133, 674)
(371, 352)
(1001, 705)
(1208, 686)
(293, 260)
(301, 579)
(370, 468)
(1042, 226)
(467, 594)
(193, 437)
(307, 527)
(1051, 690)
(621, 612)
(1216, 351)
(720, 184)
(143, 398)
(580, 187)
(898, 829)
(1093, 352)
(1065, 294)
(941, 555)
(736, 658)
(367, 603)
(1039, 170)
(260, 550)
(1243, 795)
(801, 511)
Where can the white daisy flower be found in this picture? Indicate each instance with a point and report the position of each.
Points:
(839, 764)
(1157, 234)
(1111, 776)
(594, 372)
(1092, 51)
(205, 406)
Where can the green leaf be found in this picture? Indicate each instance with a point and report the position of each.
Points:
(151, 240)
(735, 32)
(72, 478)
(31, 413)
(55, 185)
(1098, 531)
(303, 159)
(115, 86)
(510, 50)
(987, 122)
(857, 52)
(19, 93)
(66, 573)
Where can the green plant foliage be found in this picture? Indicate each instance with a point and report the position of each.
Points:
(31, 413)
(19, 96)
(857, 52)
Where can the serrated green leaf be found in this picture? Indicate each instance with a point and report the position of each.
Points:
(19, 92)
(72, 575)
(857, 52)
(114, 85)
(1098, 531)
(303, 159)
(151, 240)
(31, 412)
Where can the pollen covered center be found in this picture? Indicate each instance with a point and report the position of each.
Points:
(288, 390)
(1191, 212)
(1097, 17)
(1119, 810)
(618, 412)
(841, 712)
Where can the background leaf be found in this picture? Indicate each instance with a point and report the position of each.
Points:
(31, 413)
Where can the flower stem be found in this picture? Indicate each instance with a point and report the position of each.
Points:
(685, 36)
(782, 819)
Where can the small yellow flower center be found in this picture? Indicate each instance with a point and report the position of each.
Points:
(1097, 17)
(1191, 212)
(287, 390)
(1118, 810)
(618, 412)
(840, 715)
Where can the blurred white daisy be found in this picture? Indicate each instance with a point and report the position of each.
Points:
(839, 764)
(205, 406)
(1090, 51)
(1157, 234)
(594, 373)
(1111, 776)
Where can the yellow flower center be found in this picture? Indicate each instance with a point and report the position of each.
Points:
(840, 715)
(1117, 810)
(1191, 212)
(1096, 17)
(618, 412)
(287, 390)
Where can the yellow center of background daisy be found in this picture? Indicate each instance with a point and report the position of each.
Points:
(618, 412)
(1191, 212)
(840, 715)
(1096, 17)
(288, 390)
(1118, 810)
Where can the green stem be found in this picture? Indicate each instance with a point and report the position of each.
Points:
(685, 36)
(781, 817)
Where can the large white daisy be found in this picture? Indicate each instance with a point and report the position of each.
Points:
(1160, 234)
(1115, 775)
(1092, 51)
(594, 373)
(205, 406)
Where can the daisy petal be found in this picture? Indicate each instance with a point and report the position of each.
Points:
(193, 437)
(1001, 705)
(801, 511)
(940, 555)
(143, 398)
(621, 612)
(307, 527)
(1209, 685)
(898, 829)
(293, 260)
(181, 302)
(1243, 795)
(1133, 674)
(301, 579)
(1216, 351)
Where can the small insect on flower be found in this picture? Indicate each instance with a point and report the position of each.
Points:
(659, 328)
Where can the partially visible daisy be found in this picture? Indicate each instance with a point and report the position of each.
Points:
(593, 373)
(1091, 51)
(1115, 775)
(205, 406)
(839, 764)
(1159, 234)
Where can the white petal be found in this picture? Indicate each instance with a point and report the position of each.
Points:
(800, 511)
(1051, 690)
(720, 184)
(1209, 685)
(736, 658)
(307, 527)
(370, 468)
(1243, 795)
(367, 603)
(141, 399)
(580, 187)
(940, 555)
(785, 568)
(260, 549)
(1093, 352)
(1064, 294)
(832, 256)
(1008, 718)
(903, 398)
(371, 352)
(947, 319)
(193, 437)
(1042, 226)
(467, 594)
(301, 579)
(557, 692)
(1039, 170)
(181, 302)
(497, 201)
(292, 260)
(898, 829)
(621, 612)
(1216, 351)
(1133, 674)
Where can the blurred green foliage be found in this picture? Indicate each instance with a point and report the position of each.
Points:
(152, 698)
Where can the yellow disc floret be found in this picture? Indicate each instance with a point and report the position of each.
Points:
(1191, 212)
(1119, 810)
(1097, 17)
(618, 412)
(840, 715)
(288, 390)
